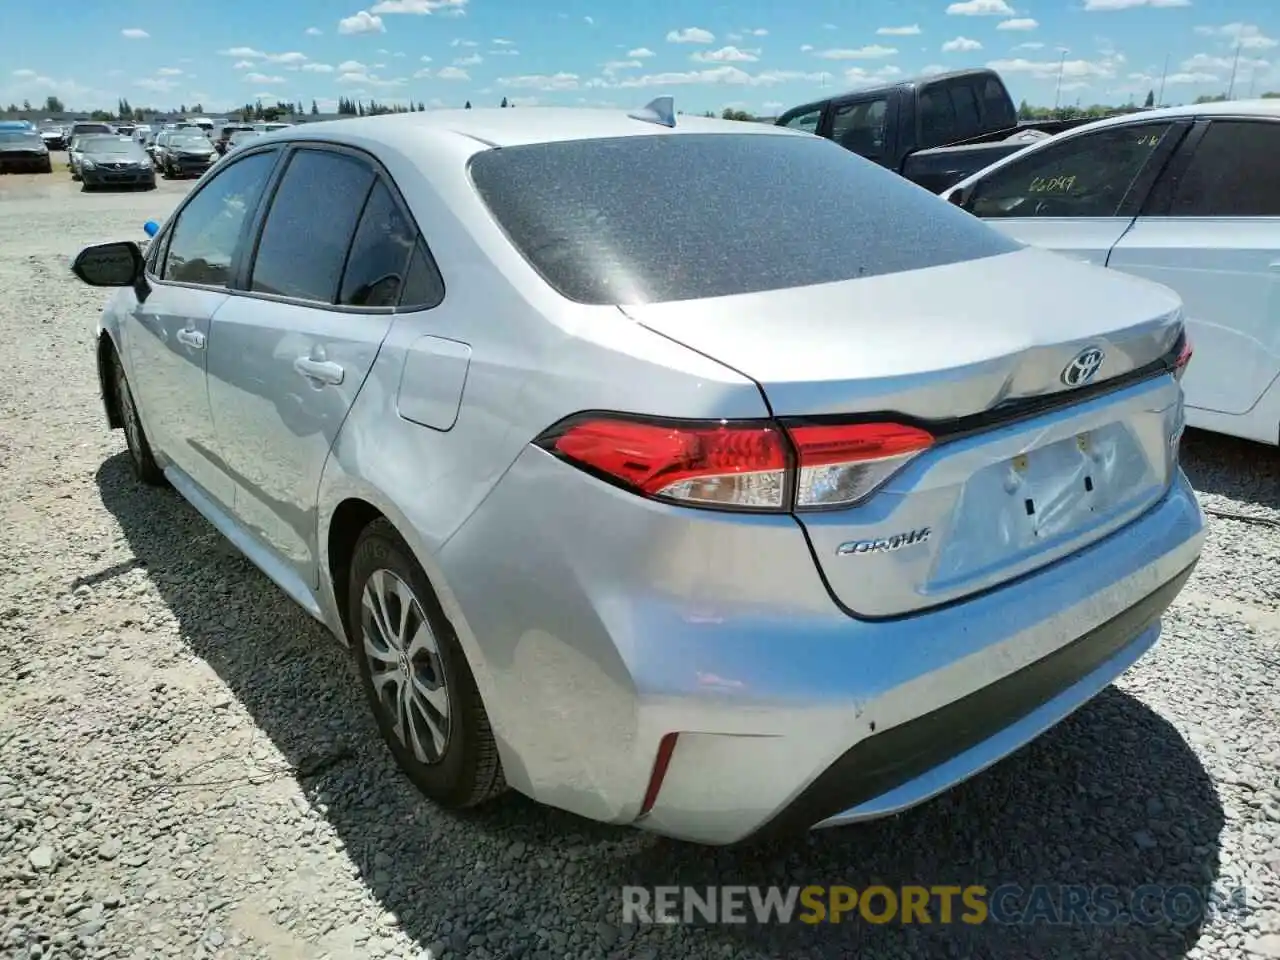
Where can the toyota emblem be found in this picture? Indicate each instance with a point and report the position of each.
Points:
(1083, 367)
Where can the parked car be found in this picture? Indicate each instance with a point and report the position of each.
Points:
(23, 151)
(114, 162)
(1186, 196)
(718, 519)
(184, 153)
(240, 137)
(933, 130)
(224, 135)
(55, 138)
(81, 128)
(74, 149)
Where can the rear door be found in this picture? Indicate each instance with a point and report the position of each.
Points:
(1212, 233)
(290, 352)
(1079, 195)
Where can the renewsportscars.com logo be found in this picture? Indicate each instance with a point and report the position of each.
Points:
(1008, 904)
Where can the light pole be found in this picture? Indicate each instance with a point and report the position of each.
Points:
(1062, 62)
(1234, 66)
(1163, 75)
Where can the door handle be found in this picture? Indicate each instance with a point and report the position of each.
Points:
(325, 371)
(191, 338)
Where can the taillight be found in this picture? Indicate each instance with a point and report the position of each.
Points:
(842, 464)
(741, 465)
(722, 463)
(1184, 357)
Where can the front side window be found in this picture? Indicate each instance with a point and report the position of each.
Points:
(310, 224)
(807, 121)
(1087, 176)
(212, 226)
(1232, 173)
(630, 220)
(860, 127)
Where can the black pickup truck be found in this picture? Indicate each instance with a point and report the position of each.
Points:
(934, 131)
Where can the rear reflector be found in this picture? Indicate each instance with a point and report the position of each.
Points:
(1184, 358)
(666, 747)
(738, 465)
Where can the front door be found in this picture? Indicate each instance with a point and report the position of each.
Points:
(169, 334)
(289, 355)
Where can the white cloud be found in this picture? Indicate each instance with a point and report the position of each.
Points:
(462, 43)
(613, 66)
(313, 31)
(421, 7)
(640, 53)
(155, 84)
(759, 32)
(961, 45)
(1249, 36)
(691, 35)
(724, 55)
(134, 33)
(1030, 45)
(291, 57)
(243, 65)
(872, 52)
(168, 72)
(499, 42)
(981, 8)
(425, 59)
(367, 80)
(362, 22)
(805, 48)
(1130, 4)
(931, 69)
(1202, 62)
(731, 76)
(474, 60)
(25, 74)
(1018, 23)
(538, 81)
(1104, 69)
(262, 78)
(588, 20)
(910, 31)
(452, 73)
(242, 52)
(829, 26)
(352, 66)
(504, 52)
(317, 68)
(1186, 78)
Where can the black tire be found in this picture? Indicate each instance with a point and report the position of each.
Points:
(145, 468)
(164, 172)
(467, 772)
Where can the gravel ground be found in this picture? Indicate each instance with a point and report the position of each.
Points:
(187, 768)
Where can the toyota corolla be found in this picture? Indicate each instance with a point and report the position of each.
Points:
(683, 473)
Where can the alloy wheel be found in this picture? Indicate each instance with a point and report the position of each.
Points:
(404, 665)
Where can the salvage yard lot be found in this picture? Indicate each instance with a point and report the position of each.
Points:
(187, 769)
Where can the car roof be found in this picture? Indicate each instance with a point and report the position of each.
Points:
(496, 127)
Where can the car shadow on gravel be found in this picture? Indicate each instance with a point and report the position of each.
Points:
(1233, 468)
(1112, 801)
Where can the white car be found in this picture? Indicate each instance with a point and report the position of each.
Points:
(1187, 196)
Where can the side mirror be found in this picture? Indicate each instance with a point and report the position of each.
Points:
(151, 228)
(116, 264)
(959, 197)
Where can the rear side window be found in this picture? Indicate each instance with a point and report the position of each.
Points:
(997, 108)
(968, 120)
(310, 224)
(1087, 176)
(1233, 173)
(423, 288)
(379, 255)
(937, 118)
(662, 217)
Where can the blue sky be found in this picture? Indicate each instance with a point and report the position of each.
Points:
(758, 55)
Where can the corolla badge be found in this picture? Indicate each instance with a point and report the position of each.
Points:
(884, 544)
(1083, 367)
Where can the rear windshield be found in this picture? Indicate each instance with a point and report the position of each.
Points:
(657, 218)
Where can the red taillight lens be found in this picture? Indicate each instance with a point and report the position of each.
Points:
(842, 464)
(741, 465)
(1184, 357)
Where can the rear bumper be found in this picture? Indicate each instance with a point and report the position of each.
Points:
(598, 624)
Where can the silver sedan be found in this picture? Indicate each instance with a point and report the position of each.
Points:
(683, 473)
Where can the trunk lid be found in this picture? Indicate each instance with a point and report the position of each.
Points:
(1028, 467)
